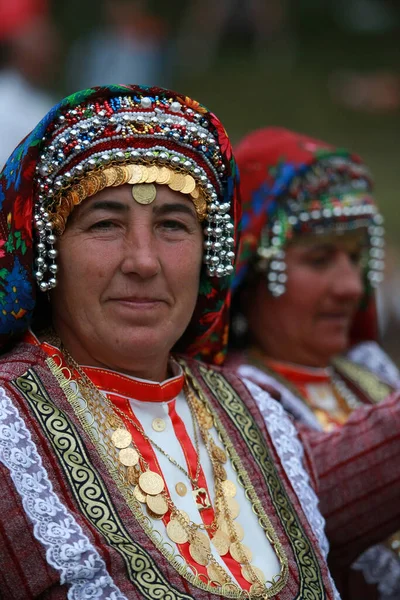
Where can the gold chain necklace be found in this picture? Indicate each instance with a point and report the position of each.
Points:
(150, 489)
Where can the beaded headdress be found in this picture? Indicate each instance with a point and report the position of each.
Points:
(293, 185)
(111, 136)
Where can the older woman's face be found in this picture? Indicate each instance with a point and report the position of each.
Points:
(128, 280)
(310, 322)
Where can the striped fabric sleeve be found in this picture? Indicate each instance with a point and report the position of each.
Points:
(357, 469)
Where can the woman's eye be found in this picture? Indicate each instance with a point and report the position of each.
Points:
(173, 225)
(356, 257)
(319, 261)
(102, 225)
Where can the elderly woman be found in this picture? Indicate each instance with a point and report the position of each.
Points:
(128, 469)
(304, 311)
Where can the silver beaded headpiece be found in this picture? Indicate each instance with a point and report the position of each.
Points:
(333, 195)
(99, 144)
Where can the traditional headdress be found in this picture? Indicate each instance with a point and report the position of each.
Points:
(109, 136)
(291, 185)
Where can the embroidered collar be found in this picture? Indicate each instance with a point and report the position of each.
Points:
(298, 374)
(125, 385)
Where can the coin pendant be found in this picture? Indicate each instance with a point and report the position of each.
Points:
(237, 529)
(189, 186)
(121, 438)
(221, 542)
(139, 495)
(164, 175)
(195, 193)
(144, 193)
(176, 532)
(199, 549)
(111, 176)
(128, 457)
(177, 182)
(157, 504)
(133, 475)
(229, 488)
(215, 575)
(247, 574)
(152, 173)
(240, 552)
(158, 424)
(219, 454)
(181, 489)
(135, 173)
(151, 483)
(153, 515)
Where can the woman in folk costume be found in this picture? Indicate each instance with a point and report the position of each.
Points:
(304, 314)
(129, 469)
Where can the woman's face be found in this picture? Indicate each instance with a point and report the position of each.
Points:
(128, 279)
(310, 322)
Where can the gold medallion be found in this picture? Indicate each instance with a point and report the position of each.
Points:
(199, 548)
(164, 175)
(237, 529)
(229, 488)
(128, 457)
(151, 483)
(73, 197)
(177, 182)
(201, 498)
(152, 173)
(176, 532)
(215, 574)
(158, 424)
(221, 542)
(220, 472)
(189, 186)
(154, 515)
(157, 504)
(200, 205)
(111, 176)
(122, 176)
(219, 454)
(133, 474)
(181, 489)
(248, 576)
(139, 495)
(92, 184)
(144, 193)
(80, 189)
(121, 438)
(135, 173)
(240, 552)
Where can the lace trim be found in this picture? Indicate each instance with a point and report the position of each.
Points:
(68, 550)
(381, 567)
(371, 356)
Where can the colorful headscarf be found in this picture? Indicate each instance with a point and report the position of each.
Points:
(109, 136)
(292, 184)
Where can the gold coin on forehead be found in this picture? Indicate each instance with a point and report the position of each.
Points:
(122, 176)
(110, 175)
(81, 190)
(58, 223)
(133, 475)
(221, 542)
(229, 488)
(196, 192)
(128, 457)
(177, 182)
(157, 504)
(144, 193)
(219, 454)
(154, 515)
(144, 174)
(139, 495)
(164, 175)
(102, 179)
(73, 196)
(135, 173)
(176, 532)
(121, 438)
(189, 186)
(248, 571)
(215, 574)
(200, 205)
(236, 527)
(152, 173)
(151, 483)
(181, 489)
(240, 552)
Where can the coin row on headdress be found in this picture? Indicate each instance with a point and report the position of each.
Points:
(133, 174)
